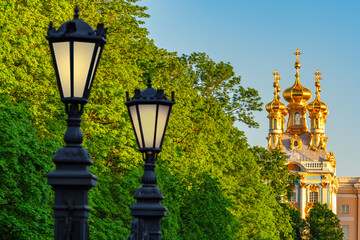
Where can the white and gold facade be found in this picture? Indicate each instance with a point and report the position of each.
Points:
(306, 149)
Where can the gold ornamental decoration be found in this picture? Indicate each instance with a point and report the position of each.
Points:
(295, 205)
(296, 143)
(274, 141)
(324, 184)
(302, 185)
(317, 142)
(313, 187)
(309, 206)
(331, 159)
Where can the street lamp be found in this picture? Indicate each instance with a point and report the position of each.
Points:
(75, 49)
(149, 112)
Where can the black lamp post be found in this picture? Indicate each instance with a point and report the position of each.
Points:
(76, 49)
(149, 112)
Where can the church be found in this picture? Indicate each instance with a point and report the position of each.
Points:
(307, 153)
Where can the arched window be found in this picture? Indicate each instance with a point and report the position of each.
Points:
(297, 118)
(313, 197)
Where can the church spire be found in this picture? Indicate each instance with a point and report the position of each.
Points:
(317, 113)
(317, 83)
(276, 84)
(277, 112)
(297, 63)
(297, 96)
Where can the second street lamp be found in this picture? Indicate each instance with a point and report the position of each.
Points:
(149, 112)
(75, 49)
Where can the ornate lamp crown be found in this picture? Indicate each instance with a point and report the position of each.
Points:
(149, 112)
(76, 49)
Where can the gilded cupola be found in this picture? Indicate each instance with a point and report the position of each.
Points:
(297, 96)
(317, 108)
(277, 112)
(317, 113)
(276, 108)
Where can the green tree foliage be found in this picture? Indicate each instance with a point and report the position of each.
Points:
(323, 224)
(274, 171)
(215, 186)
(195, 204)
(298, 224)
(25, 212)
(218, 80)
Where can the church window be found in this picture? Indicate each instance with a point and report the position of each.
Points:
(345, 209)
(275, 123)
(297, 118)
(345, 229)
(314, 197)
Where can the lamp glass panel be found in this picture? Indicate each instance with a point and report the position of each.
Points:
(135, 120)
(147, 118)
(62, 58)
(161, 123)
(94, 67)
(83, 52)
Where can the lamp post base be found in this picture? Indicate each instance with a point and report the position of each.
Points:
(148, 210)
(71, 182)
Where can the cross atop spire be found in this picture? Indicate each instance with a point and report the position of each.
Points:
(276, 74)
(297, 62)
(317, 82)
(317, 73)
(297, 53)
(276, 83)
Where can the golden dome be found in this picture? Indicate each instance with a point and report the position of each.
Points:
(318, 106)
(275, 105)
(297, 93)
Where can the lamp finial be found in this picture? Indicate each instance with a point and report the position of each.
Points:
(149, 82)
(76, 15)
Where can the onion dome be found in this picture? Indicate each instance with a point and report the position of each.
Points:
(275, 105)
(297, 93)
(318, 106)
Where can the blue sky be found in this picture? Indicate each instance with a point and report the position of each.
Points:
(259, 36)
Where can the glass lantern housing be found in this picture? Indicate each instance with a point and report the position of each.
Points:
(76, 49)
(149, 112)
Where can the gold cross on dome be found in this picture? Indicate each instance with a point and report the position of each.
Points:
(276, 81)
(317, 73)
(317, 82)
(297, 53)
(276, 75)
